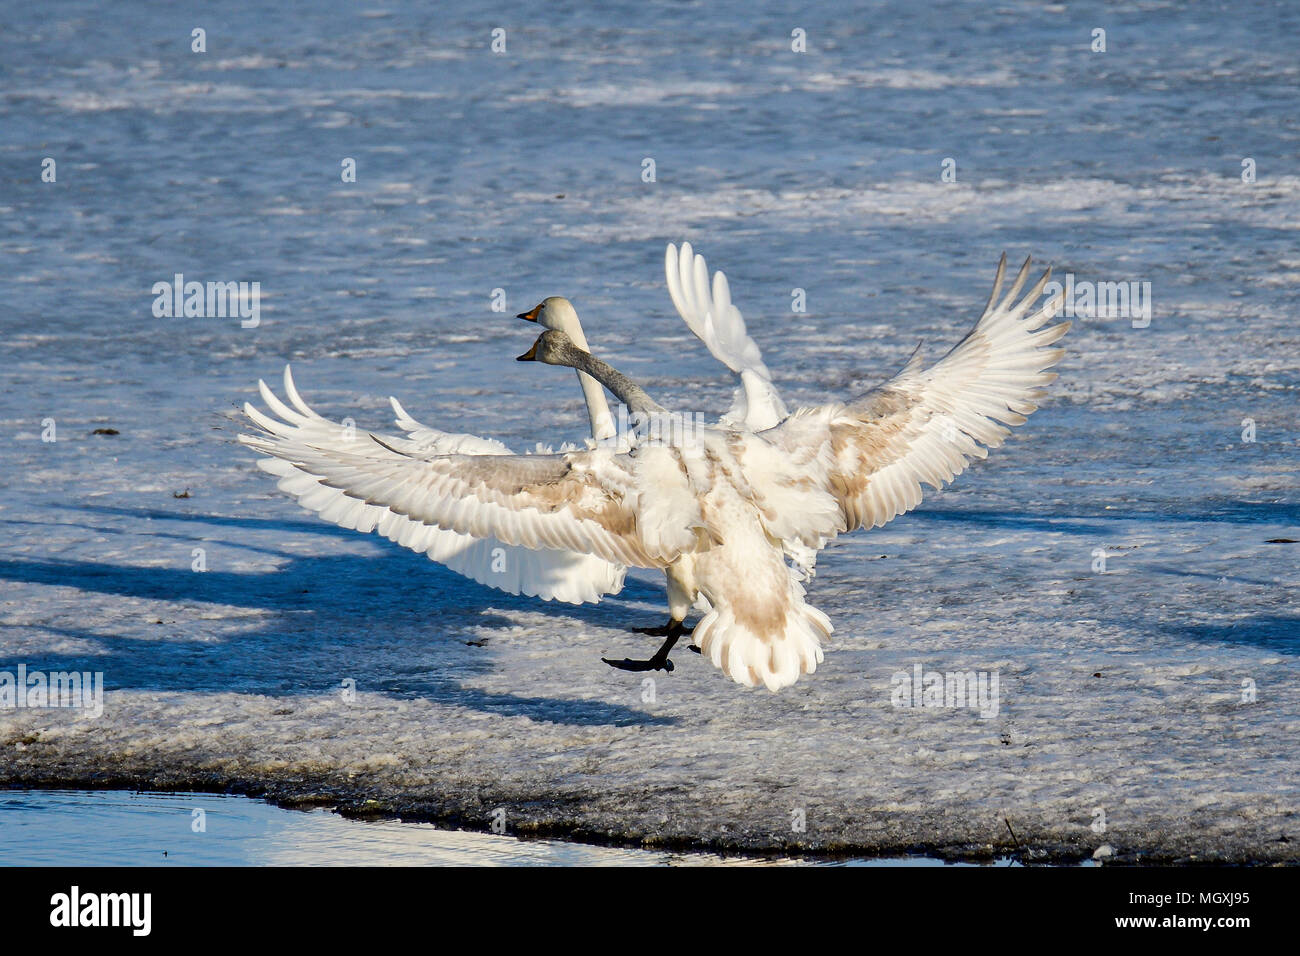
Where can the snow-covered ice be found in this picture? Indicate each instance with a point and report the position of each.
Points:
(1153, 707)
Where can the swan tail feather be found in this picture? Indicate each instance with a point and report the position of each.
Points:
(773, 656)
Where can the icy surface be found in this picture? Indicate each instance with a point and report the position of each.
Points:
(1122, 694)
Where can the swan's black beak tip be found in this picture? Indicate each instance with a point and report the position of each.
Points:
(529, 356)
(530, 315)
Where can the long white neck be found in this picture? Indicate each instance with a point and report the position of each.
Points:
(602, 422)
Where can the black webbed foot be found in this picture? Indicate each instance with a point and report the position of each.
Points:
(660, 661)
(627, 664)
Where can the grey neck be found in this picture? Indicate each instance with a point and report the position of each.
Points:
(623, 388)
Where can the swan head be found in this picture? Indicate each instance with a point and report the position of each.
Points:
(552, 347)
(555, 312)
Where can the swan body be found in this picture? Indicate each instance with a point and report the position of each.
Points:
(708, 311)
(712, 511)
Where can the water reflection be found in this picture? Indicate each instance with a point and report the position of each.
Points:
(125, 828)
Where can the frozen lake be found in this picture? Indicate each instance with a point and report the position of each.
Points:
(1151, 707)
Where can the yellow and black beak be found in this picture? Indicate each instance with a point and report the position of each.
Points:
(531, 354)
(531, 314)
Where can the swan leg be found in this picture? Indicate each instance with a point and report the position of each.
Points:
(663, 630)
(660, 661)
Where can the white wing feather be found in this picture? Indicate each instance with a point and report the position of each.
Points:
(546, 573)
(710, 314)
(926, 424)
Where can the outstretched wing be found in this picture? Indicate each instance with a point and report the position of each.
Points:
(436, 441)
(709, 313)
(584, 501)
(926, 424)
(546, 573)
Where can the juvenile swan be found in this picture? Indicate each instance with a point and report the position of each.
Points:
(713, 510)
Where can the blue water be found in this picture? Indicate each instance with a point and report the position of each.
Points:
(226, 165)
(127, 828)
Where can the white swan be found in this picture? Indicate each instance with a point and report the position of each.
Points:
(558, 313)
(713, 510)
(547, 573)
